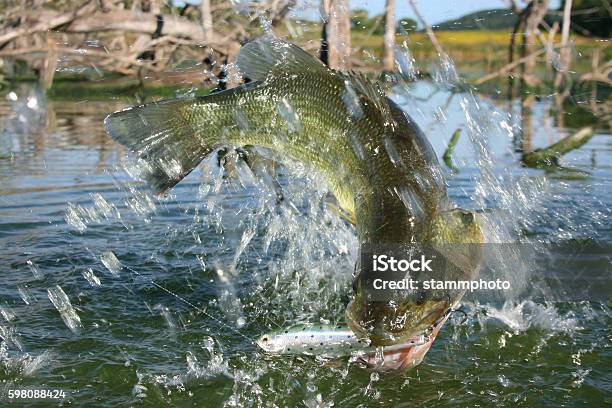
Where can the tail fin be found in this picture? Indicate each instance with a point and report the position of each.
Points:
(166, 143)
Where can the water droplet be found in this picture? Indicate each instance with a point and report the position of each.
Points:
(110, 261)
(89, 275)
(60, 300)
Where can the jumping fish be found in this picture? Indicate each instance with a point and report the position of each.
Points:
(376, 161)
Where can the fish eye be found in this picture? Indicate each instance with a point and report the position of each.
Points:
(265, 339)
(467, 217)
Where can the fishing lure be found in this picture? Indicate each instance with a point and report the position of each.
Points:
(336, 341)
(329, 341)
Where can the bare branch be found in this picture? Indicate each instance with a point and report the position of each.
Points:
(508, 67)
(428, 30)
(47, 20)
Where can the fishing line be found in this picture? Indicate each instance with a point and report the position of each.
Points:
(199, 309)
(151, 281)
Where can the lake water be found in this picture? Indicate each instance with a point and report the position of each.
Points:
(119, 298)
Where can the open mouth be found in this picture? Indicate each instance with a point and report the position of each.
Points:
(381, 335)
(408, 354)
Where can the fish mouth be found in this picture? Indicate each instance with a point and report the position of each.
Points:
(383, 325)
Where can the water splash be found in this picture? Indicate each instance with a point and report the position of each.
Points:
(91, 277)
(60, 300)
(111, 262)
(35, 270)
(22, 366)
(281, 264)
(527, 314)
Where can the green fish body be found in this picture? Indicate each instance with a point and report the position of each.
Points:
(376, 161)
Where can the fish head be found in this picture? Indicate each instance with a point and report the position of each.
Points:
(385, 323)
(456, 237)
(270, 343)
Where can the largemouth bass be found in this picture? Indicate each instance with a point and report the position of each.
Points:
(376, 161)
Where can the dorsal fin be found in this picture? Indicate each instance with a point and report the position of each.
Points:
(268, 53)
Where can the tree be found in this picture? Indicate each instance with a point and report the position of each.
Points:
(535, 12)
(389, 38)
(406, 24)
(207, 22)
(336, 41)
(360, 19)
(528, 22)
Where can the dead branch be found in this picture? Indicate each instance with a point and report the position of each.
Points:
(565, 57)
(599, 73)
(508, 67)
(145, 23)
(44, 20)
(428, 30)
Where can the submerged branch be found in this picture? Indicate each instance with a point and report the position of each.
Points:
(549, 156)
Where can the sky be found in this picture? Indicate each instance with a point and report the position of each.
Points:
(434, 11)
(437, 11)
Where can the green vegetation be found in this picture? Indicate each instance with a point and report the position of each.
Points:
(362, 22)
(406, 24)
(494, 19)
(74, 88)
(589, 17)
(448, 153)
(475, 52)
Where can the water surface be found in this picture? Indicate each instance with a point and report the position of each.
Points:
(121, 298)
